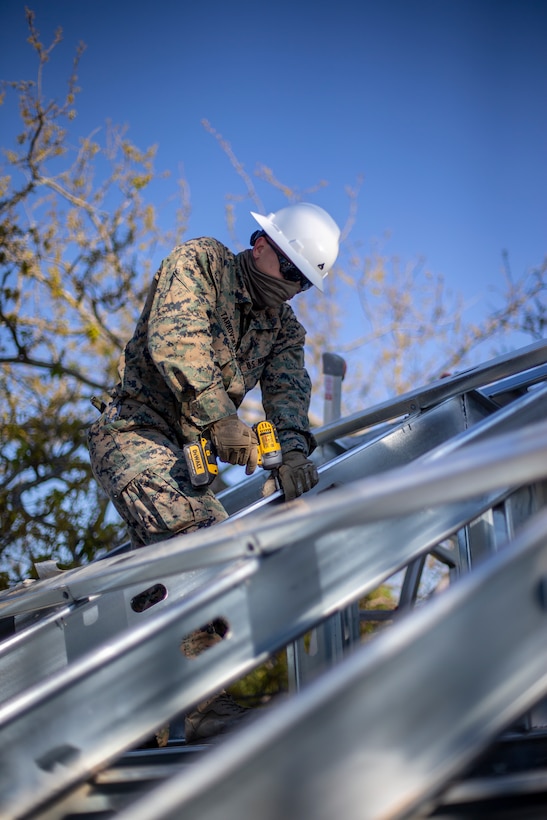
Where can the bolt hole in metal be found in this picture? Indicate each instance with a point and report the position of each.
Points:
(196, 642)
(148, 598)
(202, 639)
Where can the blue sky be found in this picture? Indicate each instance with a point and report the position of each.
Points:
(441, 106)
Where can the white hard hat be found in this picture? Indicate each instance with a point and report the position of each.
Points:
(305, 234)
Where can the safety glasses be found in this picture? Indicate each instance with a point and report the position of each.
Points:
(289, 271)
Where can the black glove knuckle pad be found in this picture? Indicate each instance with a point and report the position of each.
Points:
(297, 475)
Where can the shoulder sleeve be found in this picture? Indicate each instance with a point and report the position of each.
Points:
(179, 330)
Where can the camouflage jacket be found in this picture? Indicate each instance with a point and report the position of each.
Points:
(199, 347)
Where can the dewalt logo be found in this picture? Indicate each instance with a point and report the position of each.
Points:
(197, 461)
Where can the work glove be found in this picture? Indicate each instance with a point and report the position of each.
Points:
(297, 474)
(235, 443)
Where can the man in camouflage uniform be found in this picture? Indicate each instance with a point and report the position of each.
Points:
(214, 325)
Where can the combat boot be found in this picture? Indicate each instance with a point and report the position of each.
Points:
(213, 717)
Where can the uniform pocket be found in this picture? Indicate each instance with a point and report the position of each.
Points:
(157, 508)
(161, 507)
(108, 443)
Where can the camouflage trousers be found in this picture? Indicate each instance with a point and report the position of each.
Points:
(137, 461)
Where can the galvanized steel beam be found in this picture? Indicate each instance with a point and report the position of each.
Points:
(381, 734)
(311, 560)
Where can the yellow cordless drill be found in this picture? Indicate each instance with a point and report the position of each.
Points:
(201, 459)
(270, 456)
